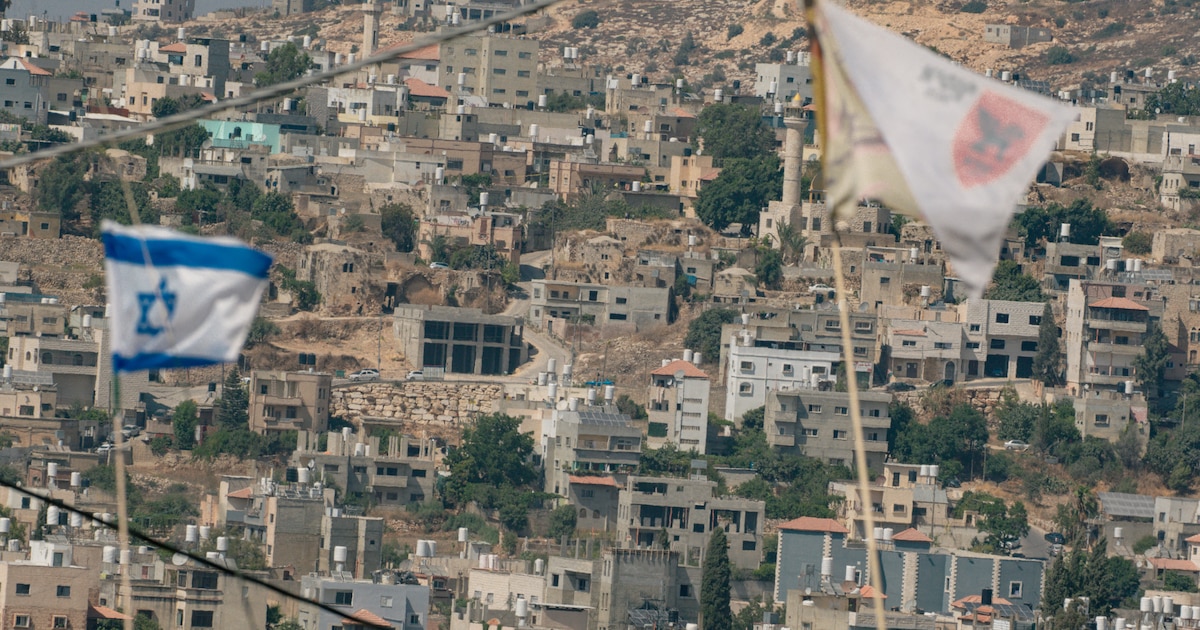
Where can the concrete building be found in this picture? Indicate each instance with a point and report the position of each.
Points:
(49, 590)
(600, 305)
(782, 82)
(597, 498)
(816, 424)
(932, 351)
(25, 93)
(502, 231)
(1016, 36)
(398, 471)
(904, 496)
(285, 520)
(589, 441)
(460, 340)
(400, 606)
(163, 10)
(1176, 243)
(677, 405)
(899, 282)
(913, 577)
(646, 587)
(289, 401)
(754, 370)
(198, 57)
(1108, 414)
(1104, 333)
(1180, 182)
(1002, 338)
(496, 69)
(687, 511)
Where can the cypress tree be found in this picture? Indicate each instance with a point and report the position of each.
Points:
(1047, 363)
(233, 410)
(714, 590)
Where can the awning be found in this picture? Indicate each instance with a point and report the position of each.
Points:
(104, 612)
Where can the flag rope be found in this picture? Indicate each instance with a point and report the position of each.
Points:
(144, 536)
(860, 456)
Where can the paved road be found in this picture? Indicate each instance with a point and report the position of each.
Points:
(1034, 545)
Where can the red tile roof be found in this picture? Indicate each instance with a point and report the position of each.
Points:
(1195, 538)
(1124, 304)
(177, 47)
(593, 481)
(34, 69)
(711, 175)
(813, 524)
(680, 113)
(417, 87)
(975, 599)
(869, 591)
(104, 612)
(368, 618)
(679, 365)
(244, 493)
(912, 534)
(430, 53)
(1174, 564)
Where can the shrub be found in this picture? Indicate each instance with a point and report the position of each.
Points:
(1060, 22)
(1111, 30)
(768, 39)
(974, 6)
(734, 31)
(1137, 242)
(1059, 56)
(587, 19)
(1144, 544)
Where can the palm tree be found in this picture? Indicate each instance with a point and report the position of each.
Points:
(791, 243)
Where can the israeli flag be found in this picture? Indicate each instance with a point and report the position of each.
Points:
(178, 300)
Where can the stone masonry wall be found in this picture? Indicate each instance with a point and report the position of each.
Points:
(421, 402)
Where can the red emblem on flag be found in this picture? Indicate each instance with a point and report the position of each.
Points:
(995, 134)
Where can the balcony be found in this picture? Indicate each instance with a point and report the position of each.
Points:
(1115, 324)
(787, 439)
(1114, 348)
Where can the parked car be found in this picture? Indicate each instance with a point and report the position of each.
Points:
(821, 288)
(438, 265)
(415, 375)
(942, 383)
(953, 482)
(900, 386)
(104, 448)
(1055, 538)
(130, 431)
(365, 374)
(1015, 445)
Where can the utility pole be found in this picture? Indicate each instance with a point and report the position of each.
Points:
(379, 346)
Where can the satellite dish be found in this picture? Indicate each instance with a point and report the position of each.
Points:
(312, 464)
(179, 559)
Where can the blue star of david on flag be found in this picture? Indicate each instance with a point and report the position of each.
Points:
(146, 302)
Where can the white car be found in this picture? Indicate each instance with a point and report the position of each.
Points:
(820, 288)
(366, 374)
(415, 375)
(438, 265)
(1015, 445)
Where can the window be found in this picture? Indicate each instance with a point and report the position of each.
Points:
(621, 300)
(942, 345)
(814, 409)
(839, 434)
(747, 366)
(685, 590)
(344, 598)
(810, 433)
(617, 316)
(745, 389)
(841, 411)
(554, 580)
(499, 71)
(1001, 318)
(524, 55)
(202, 618)
(385, 601)
(899, 508)
(1029, 346)
(1102, 419)
(22, 589)
(974, 327)
(500, 53)
(20, 621)
(198, 61)
(1035, 320)
(749, 545)
(1014, 589)
(582, 585)
(524, 74)
(62, 591)
(908, 343)
(204, 579)
(996, 344)
(414, 619)
(973, 345)
(862, 326)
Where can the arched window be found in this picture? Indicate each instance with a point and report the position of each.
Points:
(78, 359)
(583, 513)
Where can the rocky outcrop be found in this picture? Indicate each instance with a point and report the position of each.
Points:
(422, 402)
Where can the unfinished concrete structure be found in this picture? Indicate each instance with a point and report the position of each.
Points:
(460, 340)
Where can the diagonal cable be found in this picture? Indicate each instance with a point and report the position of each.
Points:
(272, 91)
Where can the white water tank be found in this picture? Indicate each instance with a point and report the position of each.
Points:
(1112, 76)
(483, 201)
(493, 139)
(1185, 612)
(1137, 264)
(637, 186)
(1118, 532)
(5, 525)
(339, 552)
(610, 391)
(350, 58)
(108, 554)
(1168, 605)
(718, 95)
(691, 240)
(678, 84)
(850, 571)
(522, 608)
(533, 132)
(692, 626)
(888, 532)
(778, 109)
(541, 101)
(1101, 623)
(1064, 230)
(745, 319)
(212, 555)
(307, 42)
(573, 405)
(591, 396)
(826, 567)
(422, 549)
(934, 470)
(1005, 76)
(76, 479)
(648, 126)
(687, 355)
(924, 470)
(125, 555)
(51, 471)
(52, 514)
(205, 531)
(774, 87)
(791, 56)
(552, 392)
(665, 362)
(303, 474)
(180, 33)
(539, 566)
(222, 544)
(1149, 72)
(542, 379)
(76, 520)
(878, 533)
(439, 174)
(698, 358)
(337, 57)
(358, 450)
(191, 534)
(1110, 264)
(112, 31)
(925, 291)
(463, 534)
(1128, 388)
(1146, 605)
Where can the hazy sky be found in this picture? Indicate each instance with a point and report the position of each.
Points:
(63, 9)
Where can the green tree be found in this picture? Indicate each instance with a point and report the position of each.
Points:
(1055, 427)
(704, 332)
(586, 19)
(1174, 581)
(234, 404)
(955, 441)
(1151, 366)
(733, 31)
(165, 106)
(740, 191)
(1010, 283)
(399, 225)
(791, 242)
(183, 421)
(562, 522)
(304, 292)
(1174, 99)
(1047, 363)
(1041, 223)
(1059, 56)
(202, 202)
(768, 269)
(261, 330)
(183, 142)
(61, 185)
(285, 63)
(715, 613)
(1015, 420)
(734, 131)
(1137, 242)
(493, 452)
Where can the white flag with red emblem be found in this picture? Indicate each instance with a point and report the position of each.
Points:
(928, 138)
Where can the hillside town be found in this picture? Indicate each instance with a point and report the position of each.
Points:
(553, 344)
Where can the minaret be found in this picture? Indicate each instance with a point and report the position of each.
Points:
(793, 150)
(371, 12)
